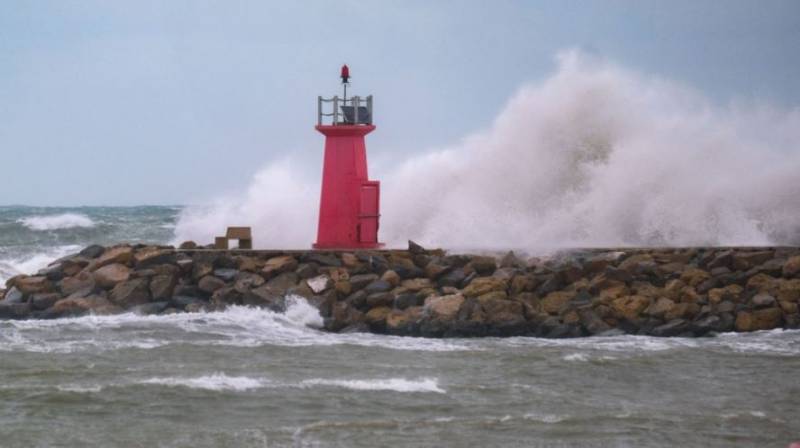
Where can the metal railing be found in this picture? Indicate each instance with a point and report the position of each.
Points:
(345, 111)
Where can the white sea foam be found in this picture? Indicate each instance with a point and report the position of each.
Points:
(10, 267)
(596, 154)
(216, 382)
(57, 222)
(388, 384)
(237, 326)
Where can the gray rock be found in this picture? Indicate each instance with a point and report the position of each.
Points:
(362, 280)
(763, 300)
(377, 286)
(209, 284)
(92, 251)
(323, 258)
(44, 301)
(130, 293)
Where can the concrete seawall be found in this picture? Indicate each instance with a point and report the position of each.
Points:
(432, 293)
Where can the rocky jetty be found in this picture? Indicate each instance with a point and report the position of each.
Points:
(419, 292)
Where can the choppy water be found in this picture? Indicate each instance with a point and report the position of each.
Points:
(253, 378)
(30, 237)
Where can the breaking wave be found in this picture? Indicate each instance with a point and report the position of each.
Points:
(57, 222)
(216, 382)
(594, 155)
(389, 384)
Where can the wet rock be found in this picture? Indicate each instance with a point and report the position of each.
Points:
(593, 324)
(378, 286)
(763, 300)
(81, 306)
(408, 300)
(131, 292)
(246, 281)
(307, 270)
(44, 301)
(405, 322)
(92, 251)
(555, 301)
(763, 319)
(694, 276)
(707, 325)
(33, 285)
(109, 275)
(342, 316)
(376, 318)
(209, 284)
(380, 299)
(417, 284)
(660, 307)
(630, 307)
(162, 286)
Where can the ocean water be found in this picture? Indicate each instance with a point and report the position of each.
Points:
(254, 378)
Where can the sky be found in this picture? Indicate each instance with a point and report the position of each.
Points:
(153, 102)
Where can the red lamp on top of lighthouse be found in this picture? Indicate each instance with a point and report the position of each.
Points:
(349, 209)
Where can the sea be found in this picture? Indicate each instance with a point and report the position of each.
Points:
(249, 377)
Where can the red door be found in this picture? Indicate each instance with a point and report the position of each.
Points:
(368, 216)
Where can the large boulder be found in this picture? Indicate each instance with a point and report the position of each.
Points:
(84, 305)
(482, 285)
(630, 307)
(361, 280)
(342, 316)
(278, 265)
(119, 254)
(33, 285)
(403, 322)
(792, 267)
(555, 301)
(763, 319)
(210, 283)
(376, 318)
(131, 292)
(443, 308)
(162, 286)
(109, 275)
(152, 255)
(661, 306)
(14, 310)
(82, 284)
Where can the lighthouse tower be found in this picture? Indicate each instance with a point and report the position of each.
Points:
(349, 209)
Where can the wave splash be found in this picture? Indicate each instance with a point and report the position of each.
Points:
(594, 155)
(57, 222)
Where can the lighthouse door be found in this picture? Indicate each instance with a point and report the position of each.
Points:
(369, 214)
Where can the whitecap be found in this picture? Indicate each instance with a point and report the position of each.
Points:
(215, 382)
(57, 222)
(385, 384)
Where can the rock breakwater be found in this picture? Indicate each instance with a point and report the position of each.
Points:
(419, 292)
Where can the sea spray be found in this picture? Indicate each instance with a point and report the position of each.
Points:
(594, 155)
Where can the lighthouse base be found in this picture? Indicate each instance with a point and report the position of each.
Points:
(348, 246)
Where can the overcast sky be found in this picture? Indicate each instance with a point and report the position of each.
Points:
(168, 102)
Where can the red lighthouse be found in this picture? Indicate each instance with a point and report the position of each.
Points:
(349, 209)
